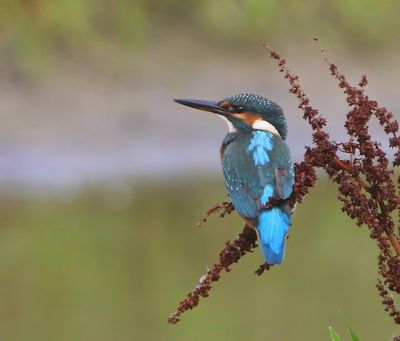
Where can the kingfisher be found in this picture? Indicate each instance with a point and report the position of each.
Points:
(257, 166)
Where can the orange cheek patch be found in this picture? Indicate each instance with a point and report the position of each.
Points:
(249, 118)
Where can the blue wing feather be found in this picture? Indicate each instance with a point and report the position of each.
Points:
(257, 167)
(284, 177)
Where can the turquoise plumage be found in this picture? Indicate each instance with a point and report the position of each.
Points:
(257, 166)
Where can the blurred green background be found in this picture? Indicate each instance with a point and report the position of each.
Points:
(103, 178)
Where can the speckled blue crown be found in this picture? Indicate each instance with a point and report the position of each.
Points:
(269, 110)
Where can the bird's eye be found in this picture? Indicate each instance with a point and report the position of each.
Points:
(239, 109)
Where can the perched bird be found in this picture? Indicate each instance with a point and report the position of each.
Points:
(257, 166)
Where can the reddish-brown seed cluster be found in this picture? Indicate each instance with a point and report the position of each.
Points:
(231, 253)
(365, 183)
(223, 209)
(262, 268)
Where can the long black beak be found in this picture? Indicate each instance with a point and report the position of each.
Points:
(210, 106)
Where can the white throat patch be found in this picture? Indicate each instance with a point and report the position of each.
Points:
(231, 127)
(266, 126)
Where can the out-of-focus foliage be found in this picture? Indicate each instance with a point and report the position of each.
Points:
(32, 31)
(101, 265)
(335, 336)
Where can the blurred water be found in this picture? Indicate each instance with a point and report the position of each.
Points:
(79, 126)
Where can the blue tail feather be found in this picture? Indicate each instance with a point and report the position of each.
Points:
(273, 226)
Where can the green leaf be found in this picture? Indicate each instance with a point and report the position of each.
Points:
(353, 334)
(334, 335)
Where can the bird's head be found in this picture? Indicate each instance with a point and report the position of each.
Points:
(245, 112)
